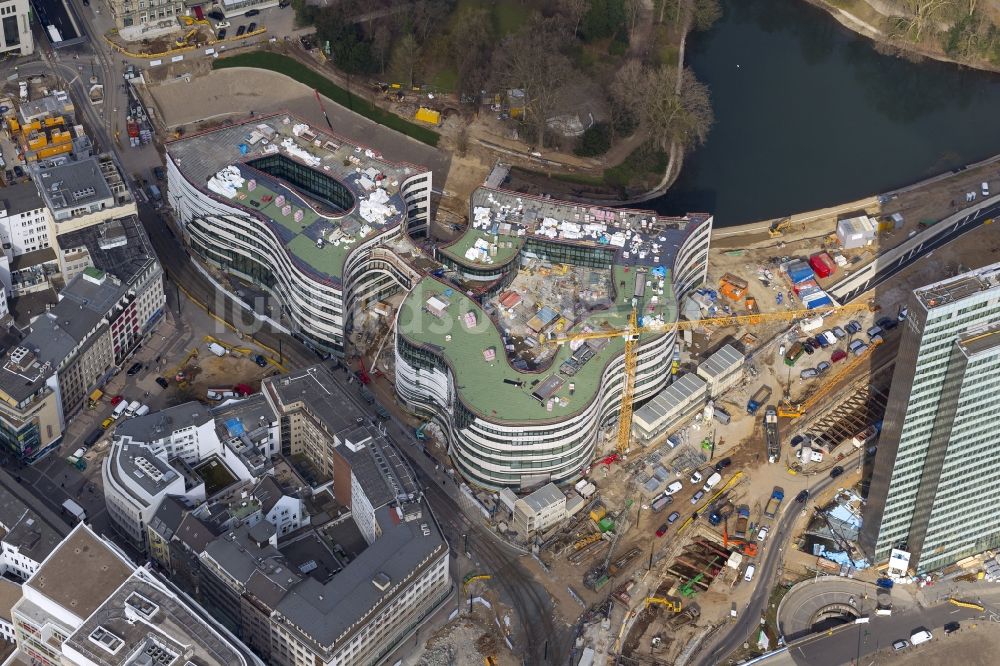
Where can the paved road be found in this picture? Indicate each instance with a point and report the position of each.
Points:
(767, 569)
(852, 643)
(885, 271)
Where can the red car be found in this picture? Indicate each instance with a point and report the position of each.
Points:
(661, 530)
(243, 390)
(838, 355)
(115, 400)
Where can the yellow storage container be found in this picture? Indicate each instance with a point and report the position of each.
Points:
(428, 116)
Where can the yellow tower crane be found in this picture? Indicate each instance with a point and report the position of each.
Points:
(634, 330)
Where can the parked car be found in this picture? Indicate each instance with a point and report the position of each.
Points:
(672, 518)
(221, 34)
(252, 12)
(723, 464)
(900, 645)
(240, 30)
(106, 423)
(115, 400)
(839, 332)
(839, 354)
(802, 496)
(260, 360)
(216, 15)
(830, 337)
(134, 370)
(223, 24)
(162, 382)
(985, 187)
(748, 576)
(696, 477)
(697, 497)
(796, 440)
(284, 3)
(762, 533)
(808, 373)
(823, 366)
(674, 488)
(836, 471)
(952, 627)
(809, 348)
(251, 27)
(887, 323)
(904, 312)
(661, 530)
(853, 327)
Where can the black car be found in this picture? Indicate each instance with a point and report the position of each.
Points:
(887, 323)
(836, 471)
(19, 172)
(284, 3)
(796, 440)
(221, 34)
(252, 12)
(162, 382)
(952, 627)
(251, 27)
(240, 30)
(802, 496)
(160, 173)
(216, 16)
(808, 346)
(723, 464)
(134, 370)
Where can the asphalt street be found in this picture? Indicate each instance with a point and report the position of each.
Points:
(748, 619)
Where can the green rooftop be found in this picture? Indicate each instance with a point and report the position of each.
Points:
(507, 247)
(480, 383)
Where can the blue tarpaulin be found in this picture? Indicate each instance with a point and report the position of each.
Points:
(235, 427)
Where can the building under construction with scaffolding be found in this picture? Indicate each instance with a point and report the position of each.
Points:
(486, 351)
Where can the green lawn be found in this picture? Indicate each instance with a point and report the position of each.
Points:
(296, 70)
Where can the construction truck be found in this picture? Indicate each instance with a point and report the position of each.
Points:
(758, 399)
(778, 494)
(742, 521)
(771, 434)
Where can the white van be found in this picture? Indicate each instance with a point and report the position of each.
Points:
(142, 411)
(674, 487)
(133, 407)
(920, 637)
(119, 409)
(748, 576)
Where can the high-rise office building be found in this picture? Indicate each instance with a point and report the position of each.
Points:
(936, 483)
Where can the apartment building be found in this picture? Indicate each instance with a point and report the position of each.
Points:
(140, 13)
(936, 479)
(87, 605)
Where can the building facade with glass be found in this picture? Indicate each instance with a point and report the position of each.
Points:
(519, 429)
(303, 215)
(936, 482)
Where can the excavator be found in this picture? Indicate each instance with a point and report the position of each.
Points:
(748, 548)
(669, 604)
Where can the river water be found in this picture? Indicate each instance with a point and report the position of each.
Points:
(808, 115)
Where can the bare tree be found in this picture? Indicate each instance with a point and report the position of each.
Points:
(381, 42)
(676, 107)
(404, 60)
(471, 47)
(530, 60)
(573, 11)
(919, 17)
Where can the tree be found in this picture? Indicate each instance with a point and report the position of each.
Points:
(626, 96)
(381, 44)
(676, 108)
(919, 17)
(530, 59)
(404, 59)
(471, 49)
(573, 11)
(604, 18)
(350, 50)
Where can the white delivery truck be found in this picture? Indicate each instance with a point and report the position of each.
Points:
(75, 510)
(712, 480)
(216, 349)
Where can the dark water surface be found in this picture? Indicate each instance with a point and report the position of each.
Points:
(808, 115)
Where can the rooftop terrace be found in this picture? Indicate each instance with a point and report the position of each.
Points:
(635, 237)
(320, 194)
(485, 383)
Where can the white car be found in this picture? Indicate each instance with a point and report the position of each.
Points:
(696, 478)
(762, 534)
(986, 188)
(222, 24)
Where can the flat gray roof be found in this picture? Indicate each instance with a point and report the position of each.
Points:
(981, 341)
(120, 246)
(378, 467)
(94, 568)
(316, 388)
(25, 529)
(721, 362)
(679, 392)
(157, 425)
(164, 624)
(545, 497)
(73, 184)
(21, 198)
(140, 466)
(956, 288)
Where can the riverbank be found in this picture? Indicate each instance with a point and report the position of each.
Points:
(865, 18)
